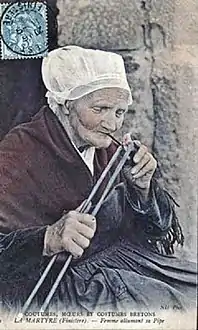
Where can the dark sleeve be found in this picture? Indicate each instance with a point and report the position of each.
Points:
(22, 242)
(157, 218)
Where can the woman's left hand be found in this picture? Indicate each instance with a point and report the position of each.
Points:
(140, 174)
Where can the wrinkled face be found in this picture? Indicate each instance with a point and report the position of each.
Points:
(95, 114)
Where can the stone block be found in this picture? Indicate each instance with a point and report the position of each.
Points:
(105, 24)
(175, 134)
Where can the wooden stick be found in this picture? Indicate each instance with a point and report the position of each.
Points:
(94, 212)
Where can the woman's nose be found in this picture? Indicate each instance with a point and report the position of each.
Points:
(109, 123)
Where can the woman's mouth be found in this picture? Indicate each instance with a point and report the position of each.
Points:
(112, 137)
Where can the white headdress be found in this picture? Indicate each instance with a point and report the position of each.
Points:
(71, 72)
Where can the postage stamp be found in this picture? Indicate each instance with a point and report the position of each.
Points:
(23, 30)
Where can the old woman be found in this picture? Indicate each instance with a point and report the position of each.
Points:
(123, 256)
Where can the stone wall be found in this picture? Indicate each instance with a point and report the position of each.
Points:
(157, 39)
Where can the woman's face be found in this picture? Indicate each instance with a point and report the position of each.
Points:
(96, 114)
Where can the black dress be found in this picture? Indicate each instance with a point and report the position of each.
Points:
(128, 264)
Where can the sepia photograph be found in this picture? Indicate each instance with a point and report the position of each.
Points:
(98, 164)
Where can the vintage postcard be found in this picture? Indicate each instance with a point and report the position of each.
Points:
(98, 164)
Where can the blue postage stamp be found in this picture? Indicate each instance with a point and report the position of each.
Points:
(24, 32)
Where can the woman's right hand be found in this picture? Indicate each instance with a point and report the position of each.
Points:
(72, 233)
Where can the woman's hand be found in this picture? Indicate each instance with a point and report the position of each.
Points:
(72, 233)
(143, 165)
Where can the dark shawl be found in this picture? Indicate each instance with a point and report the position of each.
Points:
(41, 174)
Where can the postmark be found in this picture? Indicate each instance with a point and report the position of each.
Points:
(24, 30)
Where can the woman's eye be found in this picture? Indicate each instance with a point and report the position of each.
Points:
(97, 109)
(120, 112)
